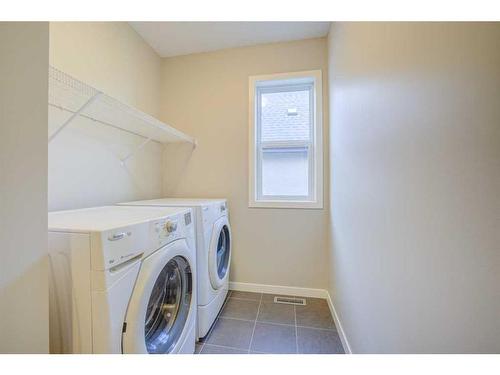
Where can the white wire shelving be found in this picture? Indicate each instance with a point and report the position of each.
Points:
(80, 99)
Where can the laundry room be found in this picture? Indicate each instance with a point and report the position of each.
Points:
(293, 188)
(203, 98)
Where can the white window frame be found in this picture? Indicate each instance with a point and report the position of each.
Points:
(262, 83)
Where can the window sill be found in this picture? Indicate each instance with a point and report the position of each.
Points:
(310, 205)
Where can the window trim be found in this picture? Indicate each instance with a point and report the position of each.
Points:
(315, 200)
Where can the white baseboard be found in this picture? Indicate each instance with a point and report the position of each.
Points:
(340, 329)
(278, 289)
(299, 292)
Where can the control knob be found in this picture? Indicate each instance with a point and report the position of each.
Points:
(170, 226)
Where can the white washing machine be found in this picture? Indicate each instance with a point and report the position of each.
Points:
(213, 244)
(122, 280)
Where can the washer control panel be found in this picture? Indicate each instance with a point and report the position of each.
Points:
(171, 228)
(167, 229)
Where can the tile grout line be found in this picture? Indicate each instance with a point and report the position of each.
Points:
(244, 299)
(320, 329)
(296, 330)
(278, 324)
(255, 323)
(226, 347)
(260, 321)
(202, 346)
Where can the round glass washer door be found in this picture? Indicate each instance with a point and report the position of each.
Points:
(219, 253)
(168, 307)
(223, 252)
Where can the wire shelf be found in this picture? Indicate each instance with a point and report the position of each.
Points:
(81, 99)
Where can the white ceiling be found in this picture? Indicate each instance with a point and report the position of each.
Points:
(182, 38)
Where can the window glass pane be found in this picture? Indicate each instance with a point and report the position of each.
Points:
(285, 171)
(285, 116)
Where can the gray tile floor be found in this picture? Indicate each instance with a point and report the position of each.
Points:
(253, 323)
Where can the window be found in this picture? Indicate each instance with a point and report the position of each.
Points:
(286, 160)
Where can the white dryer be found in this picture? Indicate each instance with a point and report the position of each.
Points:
(122, 280)
(213, 244)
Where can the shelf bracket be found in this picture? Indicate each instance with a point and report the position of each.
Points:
(146, 141)
(91, 100)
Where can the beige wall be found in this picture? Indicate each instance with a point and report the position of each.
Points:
(23, 187)
(415, 182)
(110, 56)
(84, 159)
(206, 95)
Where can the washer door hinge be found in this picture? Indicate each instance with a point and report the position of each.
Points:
(124, 328)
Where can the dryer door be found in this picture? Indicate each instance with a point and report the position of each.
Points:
(161, 303)
(219, 255)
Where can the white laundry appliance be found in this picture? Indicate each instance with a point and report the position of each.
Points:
(213, 244)
(122, 280)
